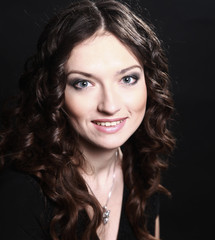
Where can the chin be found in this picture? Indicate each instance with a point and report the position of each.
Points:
(110, 144)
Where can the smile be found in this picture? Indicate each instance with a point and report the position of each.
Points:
(108, 124)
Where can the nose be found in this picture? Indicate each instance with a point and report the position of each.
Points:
(109, 101)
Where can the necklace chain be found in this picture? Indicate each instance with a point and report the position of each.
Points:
(106, 211)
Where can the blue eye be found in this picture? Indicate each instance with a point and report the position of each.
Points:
(130, 80)
(81, 84)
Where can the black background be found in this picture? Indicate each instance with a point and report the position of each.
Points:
(187, 30)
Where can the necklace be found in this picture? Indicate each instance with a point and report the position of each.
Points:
(105, 210)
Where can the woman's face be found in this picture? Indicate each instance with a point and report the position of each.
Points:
(105, 95)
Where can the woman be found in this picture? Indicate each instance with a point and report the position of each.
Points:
(81, 156)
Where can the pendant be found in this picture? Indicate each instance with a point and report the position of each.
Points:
(105, 215)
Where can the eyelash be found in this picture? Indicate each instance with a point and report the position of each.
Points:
(134, 77)
(74, 83)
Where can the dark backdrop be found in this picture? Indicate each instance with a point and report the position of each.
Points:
(187, 30)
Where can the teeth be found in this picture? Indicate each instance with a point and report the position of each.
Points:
(108, 124)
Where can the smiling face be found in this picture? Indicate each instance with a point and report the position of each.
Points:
(105, 95)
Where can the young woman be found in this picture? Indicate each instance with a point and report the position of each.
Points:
(82, 153)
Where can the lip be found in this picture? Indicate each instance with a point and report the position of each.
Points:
(109, 129)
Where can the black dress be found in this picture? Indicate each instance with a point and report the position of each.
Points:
(25, 215)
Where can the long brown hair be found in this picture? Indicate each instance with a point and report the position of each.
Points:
(38, 138)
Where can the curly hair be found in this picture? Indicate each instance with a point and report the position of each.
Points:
(37, 137)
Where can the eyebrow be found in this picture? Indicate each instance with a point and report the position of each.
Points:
(90, 75)
(128, 68)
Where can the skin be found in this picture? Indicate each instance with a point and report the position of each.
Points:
(105, 85)
(102, 64)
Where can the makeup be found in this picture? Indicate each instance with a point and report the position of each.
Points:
(109, 125)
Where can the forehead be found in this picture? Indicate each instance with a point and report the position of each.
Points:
(101, 51)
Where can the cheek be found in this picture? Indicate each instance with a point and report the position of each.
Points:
(74, 107)
(137, 102)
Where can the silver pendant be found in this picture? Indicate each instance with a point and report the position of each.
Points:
(105, 215)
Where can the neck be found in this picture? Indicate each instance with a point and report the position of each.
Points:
(100, 162)
(98, 165)
(100, 176)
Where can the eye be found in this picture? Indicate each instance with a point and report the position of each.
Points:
(81, 84)
(130, 80)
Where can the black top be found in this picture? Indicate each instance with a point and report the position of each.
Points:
(25, 215)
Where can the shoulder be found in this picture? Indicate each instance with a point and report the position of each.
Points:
(153, 205)
(19, 188)
(152, 211)
(11, 179)
(22, 206)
